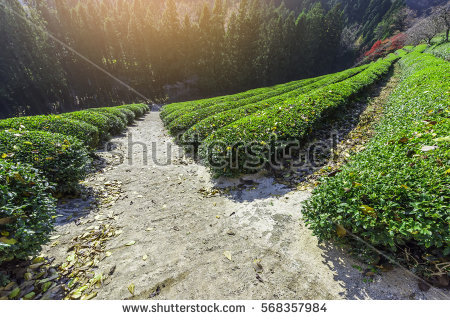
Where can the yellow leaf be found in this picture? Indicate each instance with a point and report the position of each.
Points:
(18, 177)
(144, 257)
(8, 241)
(340, 230)
(108, 253)
(227, 254)
(368, 210)
(130, 243)
(131, 288)
(4, 155)
(404, 186)
(5, 233)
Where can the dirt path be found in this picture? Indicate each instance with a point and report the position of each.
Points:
(183, 234)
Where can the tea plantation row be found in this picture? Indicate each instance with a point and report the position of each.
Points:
(44, 155)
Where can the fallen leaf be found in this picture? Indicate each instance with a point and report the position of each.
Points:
(55, 237)
(130, 243)
(108, 253)
(144, 257)
(227, 254)
(131, 288)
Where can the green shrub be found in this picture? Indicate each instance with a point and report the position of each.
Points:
(204, 128)
(57, 124)
(103, 123)
(127, 112)
(187, 120)
(62, 159)
(118, 121)
(293, 120)
(187, 106)
(138, 109)
(441, 51)
(26, 211)
(396, 191)
(172, 111)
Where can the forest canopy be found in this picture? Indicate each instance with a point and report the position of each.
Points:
(212, 47)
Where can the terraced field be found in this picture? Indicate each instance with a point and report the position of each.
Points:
(228, 123)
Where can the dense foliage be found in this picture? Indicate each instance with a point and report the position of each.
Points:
(41, 155)
(26, 211)
(62, 159)
(57, 124)
(395, 193)
(188, 119)
(231, 149)
(204, 128)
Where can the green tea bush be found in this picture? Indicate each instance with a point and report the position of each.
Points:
(26, 211)
(138, 109)
(175, 110)
(185, 121)
(57, 124)
(293, 120)
(103, 123)
(187, 106)
(62, 159)
(118, 121)
(441, 51)
(204, 128)
(395, 193)
(128, 114)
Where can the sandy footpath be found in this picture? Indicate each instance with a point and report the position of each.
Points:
(189, 242)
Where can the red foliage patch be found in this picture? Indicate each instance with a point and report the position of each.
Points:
(382, 48)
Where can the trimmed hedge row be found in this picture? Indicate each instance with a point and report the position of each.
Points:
(187, 120)
(83, 131)
(55, 145)
(396, 191)
(204, 128)
(90, 126)
(194, 104)
(62, 159)
(138, 109)
(440, 51)
(26, 211)
(103, 123)
(173, 111)
(291, 121)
